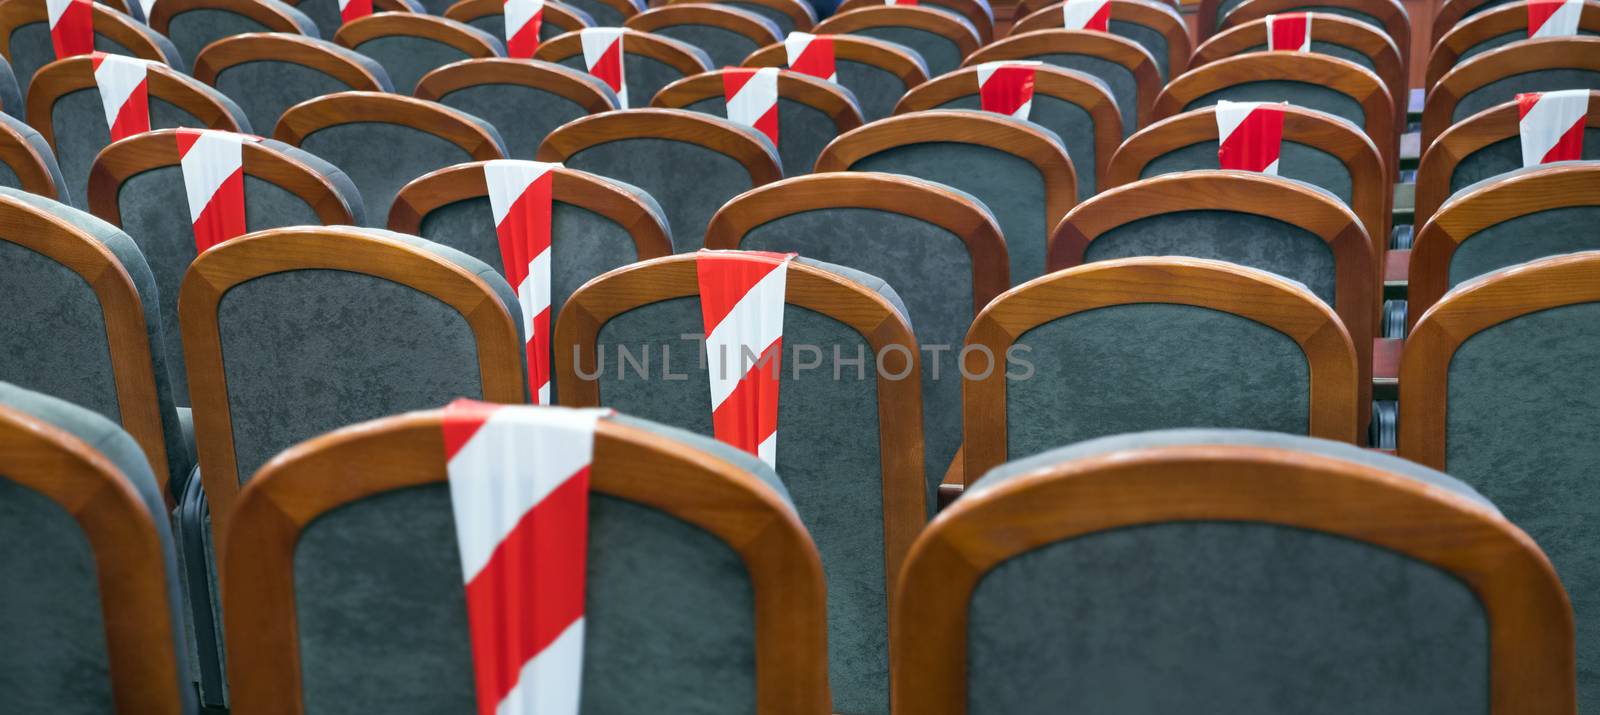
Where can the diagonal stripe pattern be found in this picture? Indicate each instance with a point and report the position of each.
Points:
(71, 27)
(1289, 32)
(1006, 87)
(213, 181)
(519, 489)
(752, 98)
(523, 20)
(741, 303)
(602, 56)
(1249, 135)
(1552, 125)
(811, 54)
(124, 93)
(1554, 18)
(354, 10)
(520, 195)
(1086, 15)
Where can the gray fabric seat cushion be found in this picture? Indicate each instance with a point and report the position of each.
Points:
(1499, 41)
(1525, 238)
(1300, 94)
(31, 49)
(266, 89)
(1149, 38)
(524, 115)
(35, 140)
(325, 13)
(1070, 123)
(938, 52)
(11, 100)
(726, 47)
(1301, 162)
(644, 77)
(1506, 156)
(191, 31)
(1119, 80)
(408, 57)
(877, 89)
(803, 130)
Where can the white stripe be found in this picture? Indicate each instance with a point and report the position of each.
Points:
(550, 682)
(595, 41)
(755, 322)
(534, 293)
(519, 13)
(1230, 115)
(757, 96)
(1024, 110)
(214, 157)
(987, 69)
(1563, 22)
(1272, 168)
(116, 78)
(1075, 14)
(768, 449)
(148, 6)
(795, 45)
(1548, 120)
(510, 464)
(55, 9)
(342, 5)
(508, 179)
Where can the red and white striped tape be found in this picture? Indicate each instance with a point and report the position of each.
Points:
(1086, 15)
(124, 88)
(71, 27)
(354, 10)
(752, 98)
(602, 55)
(741, 304)
(1554, 18)
(213, 181)
(519, 489)
(1249, 136)
(1290, 32)
(520, 195)
(1006, 87)
(1552, 125)
(523, 18)
(900, 2)
(811, 54)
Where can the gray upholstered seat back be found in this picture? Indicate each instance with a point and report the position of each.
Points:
(658, 587)
(50, 608)
(1069, 121)
(1505, 156)
(1215, 616)
(381, 157)
(726, 47)
(265, 89)
(603, 13)
(325, 13)
(876, 88)
(11, 99)
(1507, 89)
(1300, 94)
(308, 351)
(31, 49)
(828, 456)
(1297, 161)
(1525, 238)
(408, 57)
(524, 115)
(494, 23)
(1118, 79)
(155, 214)
(803, 131)
(1147, 37)
(938, 52)
(1330, 49)
(36, 142)
(191, 31)
(56, 340)
(644, 76)
(784, 23)
(1499, 41)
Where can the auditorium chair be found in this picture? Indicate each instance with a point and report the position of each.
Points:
(27, 163)
(66, 107)
(524, 99)
(811, 111)
(939, 246)
(1218, 570)
(25, 39)
(1483, 146)
(690, 162)
(92, 612)
(328, 13)
(12, 103)
(1493, 28)
(942, 39)
(1502, 221)
(849, 434)
(1452, 13)
(977, 13)
(1497, 388)
(1500, 74)
(410, 45)
(137, 184)
(194, 24)
(649, 61)
(1018, 169)
(1136, 344)
(1155, 26)
(788, 15)
(1388, 15)
(1127, 69)
(877, 72)
(1077, 107)
(489, 15)
(267, 73)
(609, 13)
(727, 34)
(353, 599)
(382, 141)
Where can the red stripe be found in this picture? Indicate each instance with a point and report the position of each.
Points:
(531, 590)
(73, 33)
(726, 278)
(525, 231)
(462, 419)
(609, 67)
(354, 10)
(750, 413)
(1007, 90)
(1525, 102)
(768, 124)
(1255, 144)
(816, 59)
(1539, 12)
(133, 117)
(1101, 20)
(1289, 31)
(526, 41)
(223, 216)
(734, 79)
(1570, 146)
(539, 353)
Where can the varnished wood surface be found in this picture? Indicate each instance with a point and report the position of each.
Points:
(280, 47)
(27, 163)
(680, 125)
(1108, 47)
(887, 56)
(969, 10)
(673, 53)
(798, 12)
(362, 30)
(566, 82)
(819, 94)
(1162, 20)
(269, 16)
(730, 19)
(938, 22)
(63, 77)
(559, 15)
(329, 110)
(1582, 52)
(1489, 24)
(1450, 14)
(108, 23)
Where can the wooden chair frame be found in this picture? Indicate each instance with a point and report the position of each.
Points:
(65, 76)
(660, 48)
(113, 24)
(1488, 25)
(1256, 295)
(130, 566)
(798, 12)
(725, 501)
(1147, 13)
(738, 22)
(544, 76)
(268, 16)
(818, 94)
(280, 47)
(626, 8)
(414, 24)
(1544, 189)
(31, 168)
(1463, 139)
(1106, 46)
(899, 400)
(1048, 80)
(1532, 664)
(378, 6)
(443, 187)
(1396, 22)
(937, 22)
(563, 17)
(861, 49)
(1581, 52)
(1448, 15)
(908, 196)
(981, 21)
(674, 124)
(330, 110)
(354, 250)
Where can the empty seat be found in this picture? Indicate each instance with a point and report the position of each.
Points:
(690, 162)
(1156, 26)
(138, 185)
(877, 72)
(810, 111)
(848, 436)
(1077, 107)
(1493, 28)
(489, 15)
(26, 44)
(649, 62)
(364, 585)
(267, 73)
(939, 247)
(609, 13)
(726, 33)
(1499, 391)
(383, 141)
(1388, 15)
(11, 100)
(1502, 221)
(1495, 76)
(1018, 169)
(788, 15)
(91, 607)
(976, 12)
(1162, 571)
(1127, 69)
(27, 163)
(194, 24)
(942, 39)
(524, 99)
(329, 14)
(1136, 344)
(69, 111)
(410, 45)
